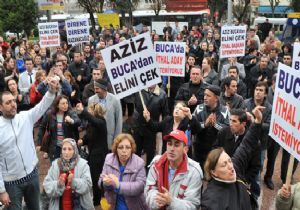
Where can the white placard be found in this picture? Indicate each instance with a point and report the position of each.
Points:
(131, 65)
(285, 120)
(233, 41)
(170, 57)
(49, 34)
(78, 31)
(296, 56)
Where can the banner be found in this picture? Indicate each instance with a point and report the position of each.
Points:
(233, 41)
(131, 65)
(107, 19)
(170, 57)
(296, 56)
(49, 34)
(51, 4)
(78, 31)
(285, 120)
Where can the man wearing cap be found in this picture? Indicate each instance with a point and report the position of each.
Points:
(174, 180)
(112, 106)
(212, 117)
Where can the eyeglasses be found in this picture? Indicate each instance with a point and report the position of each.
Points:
(124, 147)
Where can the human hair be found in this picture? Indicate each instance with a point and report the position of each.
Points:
(227, 81)
(28, 59)
(211, 162)
(287, 54)
(233, 67)
(10, 79)
(183, 103)
(242, 116)
(56, 102)
(98, 109)
(119, 139)
(3, 94)
(209, 61)
(68, 74)
(262, 84)
(39, 74)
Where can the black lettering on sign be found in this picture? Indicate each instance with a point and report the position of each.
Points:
(125, 53)
(141, 45)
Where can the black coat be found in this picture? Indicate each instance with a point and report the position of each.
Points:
(206, 137)
(70, 130)
(233, 196)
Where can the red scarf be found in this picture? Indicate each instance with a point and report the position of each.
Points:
(66, 199)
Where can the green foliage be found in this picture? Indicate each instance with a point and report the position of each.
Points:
(295, 5)
(18, 15)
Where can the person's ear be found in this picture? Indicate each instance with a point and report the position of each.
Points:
(213, 173)
(186, 149)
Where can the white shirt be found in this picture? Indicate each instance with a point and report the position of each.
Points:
(24, 81)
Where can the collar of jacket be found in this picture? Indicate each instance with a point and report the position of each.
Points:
(156, 90)
(129, 168)
(159, 169)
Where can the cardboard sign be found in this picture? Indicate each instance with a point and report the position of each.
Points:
(49, 34)
(285, 120)
(107, 19)
(296, 56)
(78, 31)
(233, 41)
(170, 57)
(131, 65)
(51, 4)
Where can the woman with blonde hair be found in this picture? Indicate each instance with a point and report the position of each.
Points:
(123, 176)
(96, 140)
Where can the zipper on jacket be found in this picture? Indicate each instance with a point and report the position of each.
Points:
(18, 147)
(6, 165)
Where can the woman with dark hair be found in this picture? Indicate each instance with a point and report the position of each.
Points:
(97, 144)
(210, 76)
(61, 122)
(68, 182)
(181, 119)
(10, 69)
(167, 37)
(226, 189)
(75, 96)
(22, 99)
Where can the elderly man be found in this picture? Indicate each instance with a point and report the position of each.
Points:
(112, 106)
(212, 117)
(18, 161)
(174, 180)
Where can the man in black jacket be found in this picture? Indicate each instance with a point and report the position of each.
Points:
(192, 92)
(156, 103)
(229, 97)
(230, 138)
(241, 87)
(80, 70)
(212, 117)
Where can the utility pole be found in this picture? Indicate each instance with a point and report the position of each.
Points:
(48, 15)
(229, 12)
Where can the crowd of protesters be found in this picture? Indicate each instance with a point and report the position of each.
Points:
(214, 122)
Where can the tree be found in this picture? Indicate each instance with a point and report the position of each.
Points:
(219, 6)
(157, 6)
(126, 6)
(92, 6)
(241, 9)
(18, 16)
(273, 5)
(294, 4)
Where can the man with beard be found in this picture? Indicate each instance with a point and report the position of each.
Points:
(18, 161)
(80, 70)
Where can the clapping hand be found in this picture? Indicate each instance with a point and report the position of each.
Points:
(163, 199)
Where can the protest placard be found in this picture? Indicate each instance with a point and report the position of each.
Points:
(49, 34)
(296, 56)
(51, 4)
(285, 120)
(233, 41)
(131, 65)
(105, 20)
(78, 31)
(170, 57)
